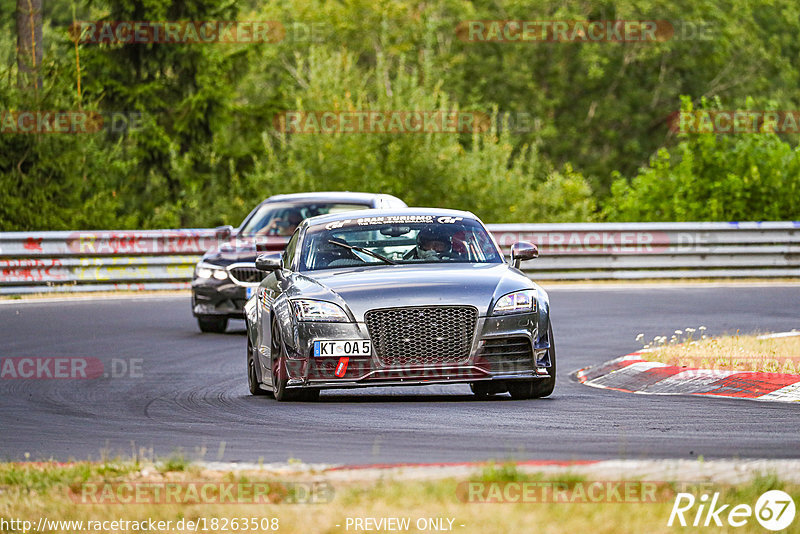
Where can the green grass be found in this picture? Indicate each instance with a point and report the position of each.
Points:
(734, 352)
(47, 477)
(176, 462)
(43, 489)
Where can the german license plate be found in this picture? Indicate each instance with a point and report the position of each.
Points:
(343, 347)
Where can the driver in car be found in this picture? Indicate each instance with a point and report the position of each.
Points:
(433, 244)
(283, 227)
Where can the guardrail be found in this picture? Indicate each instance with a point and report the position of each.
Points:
(33, 262)
(658, 250)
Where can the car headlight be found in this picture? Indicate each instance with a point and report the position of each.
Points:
(208, 270)
(517, 302)
(319, 310)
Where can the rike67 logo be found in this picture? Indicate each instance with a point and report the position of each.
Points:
(774, 510)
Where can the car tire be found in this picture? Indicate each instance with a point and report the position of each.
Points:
(539, 387)
(252, 377)
(212, 323)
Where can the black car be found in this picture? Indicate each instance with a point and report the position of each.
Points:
(226, 276)
(398, 297)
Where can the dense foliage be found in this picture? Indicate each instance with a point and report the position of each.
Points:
(579, 131)
(712, 177)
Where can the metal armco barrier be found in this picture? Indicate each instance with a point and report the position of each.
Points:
(596, 251)
(33, 262)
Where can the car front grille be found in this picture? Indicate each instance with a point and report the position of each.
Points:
(505, 354)
(246, 275)
(429, 335)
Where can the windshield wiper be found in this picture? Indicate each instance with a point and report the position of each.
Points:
(362, 250)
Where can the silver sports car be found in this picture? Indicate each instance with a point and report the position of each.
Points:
(395, 298)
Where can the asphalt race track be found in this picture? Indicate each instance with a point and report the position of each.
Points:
(191, 391)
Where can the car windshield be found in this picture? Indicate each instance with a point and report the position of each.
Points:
(281, 218)
(397, 240)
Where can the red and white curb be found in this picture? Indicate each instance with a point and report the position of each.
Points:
(632, 374)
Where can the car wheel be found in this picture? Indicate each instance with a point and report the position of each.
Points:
(540, 387)
(212, 323)
(252, 377)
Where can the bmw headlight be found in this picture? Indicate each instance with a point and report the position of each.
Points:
(208, 270)
(517, 302)
(319, 310)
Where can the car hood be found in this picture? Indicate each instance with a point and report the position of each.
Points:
(366, 288)
(244, 249)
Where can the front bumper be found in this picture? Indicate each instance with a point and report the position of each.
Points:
(503, 348)
(218, 297)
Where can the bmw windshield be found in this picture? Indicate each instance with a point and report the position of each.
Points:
(281, 218)
(399, 240)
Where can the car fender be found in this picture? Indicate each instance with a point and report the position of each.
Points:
(543, 301)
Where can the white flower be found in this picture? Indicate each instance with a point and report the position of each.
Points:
(702, 328)
(639, 337)
(678, 332)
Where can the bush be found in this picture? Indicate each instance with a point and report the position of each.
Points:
(710, 177)
(479, 172)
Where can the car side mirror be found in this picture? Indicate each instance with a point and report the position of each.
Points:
(224, 232)
(523, 251)
(268, 262)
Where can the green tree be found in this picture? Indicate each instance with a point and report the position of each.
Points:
(711, 177)
(54, 181)
(481, 173)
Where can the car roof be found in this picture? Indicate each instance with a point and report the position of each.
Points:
(331, 196)
(403, 212)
